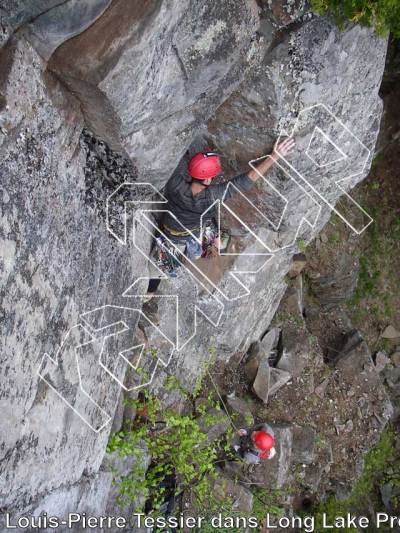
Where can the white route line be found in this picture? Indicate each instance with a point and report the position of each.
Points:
(143, 215)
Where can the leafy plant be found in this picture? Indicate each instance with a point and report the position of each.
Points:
(178, 447)
(383, 15)
(302, 245)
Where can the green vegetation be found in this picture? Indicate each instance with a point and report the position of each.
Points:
(381, 466)
(264, 501)
(376, 270)
(177, 445)
(383, 15)
(302, 245)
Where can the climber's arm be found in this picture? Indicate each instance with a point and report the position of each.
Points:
(245, 182)
(283, 148)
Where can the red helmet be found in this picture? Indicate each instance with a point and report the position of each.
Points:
(263, 440)
(204, 166)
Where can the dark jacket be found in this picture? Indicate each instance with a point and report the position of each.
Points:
(188, 208)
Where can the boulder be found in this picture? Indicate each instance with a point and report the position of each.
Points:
(320, 389)
(395, 357)
(278, 379)
(293, 300)
(296, 347)
(261, 383)
(226, 489)
(303, 446)
(269, 380)
(348, 343)
(269, 341)
(381, 361)
(390, 333)
(251, 365)
(265, 348)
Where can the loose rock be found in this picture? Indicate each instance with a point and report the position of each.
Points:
(390, 333)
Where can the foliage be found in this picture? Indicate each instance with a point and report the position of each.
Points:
(381, 466)
(383, 15)
(264, 501)
(267, 501)
(301, 245)
(375, 270)
(177, 446)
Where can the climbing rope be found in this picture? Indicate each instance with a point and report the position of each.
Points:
(222, 401)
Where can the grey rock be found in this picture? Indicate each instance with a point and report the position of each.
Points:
(395, 357)
(227, 489)
(269, 380)
(183, 61)
(278, 379)
(324, 237)
(295, 349)
(261, 384)
(48, 31)
(390, 332)
(88, 496)
(251, 365)
(66, 264)
(265, 348)
(215, 423)
(163, 69)
(389, 493)
(320, 390)
(293, 299)
(347, 347)
(381, 361)
(392, 376)
(15, 13)
(120, 467)
(338, 281)
(303, 451)
(269, 341)
(241, 412)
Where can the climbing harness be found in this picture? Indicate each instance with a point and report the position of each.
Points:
(168, 257)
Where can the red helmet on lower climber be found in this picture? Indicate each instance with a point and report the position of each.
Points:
(263, 440)
(204, 166)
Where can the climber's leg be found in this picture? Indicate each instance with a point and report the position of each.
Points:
(153, 285)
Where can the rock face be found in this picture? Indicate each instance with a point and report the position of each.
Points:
(152, 79)
(180, 78)
(58, 261)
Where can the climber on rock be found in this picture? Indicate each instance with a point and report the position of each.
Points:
(189, 197)
(255, 444)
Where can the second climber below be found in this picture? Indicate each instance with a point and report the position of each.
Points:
(189, 197)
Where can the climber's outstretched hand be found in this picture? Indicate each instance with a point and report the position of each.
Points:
(281, 149)
(284, 148)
